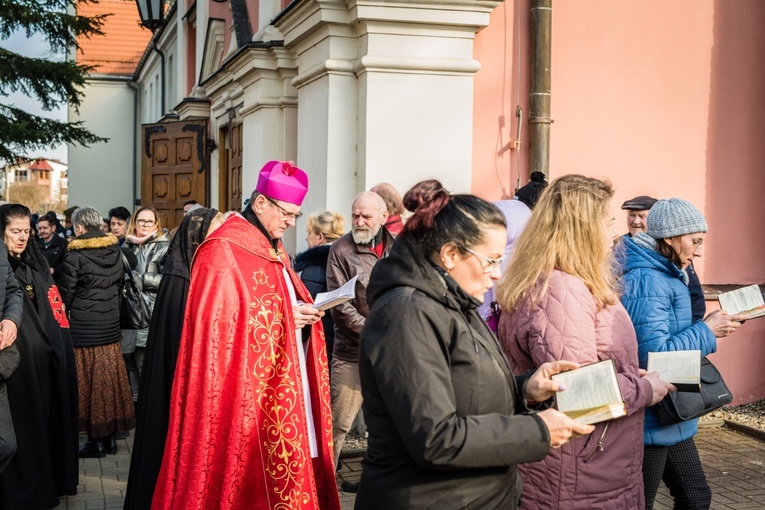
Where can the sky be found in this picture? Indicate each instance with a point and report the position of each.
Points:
(34, 47)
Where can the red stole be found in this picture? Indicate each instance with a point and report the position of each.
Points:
(237, 437)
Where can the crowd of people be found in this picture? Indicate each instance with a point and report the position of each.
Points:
(242, 392)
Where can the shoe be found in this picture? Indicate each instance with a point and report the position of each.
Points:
(122, 434)
(110, 445)
(92, 450)
(350, 487)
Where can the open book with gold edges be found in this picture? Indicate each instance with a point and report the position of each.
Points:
(746, 301)
(592, 393)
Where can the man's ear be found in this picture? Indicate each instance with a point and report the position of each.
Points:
(258, 205)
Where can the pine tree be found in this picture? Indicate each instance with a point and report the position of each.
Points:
(53, 81)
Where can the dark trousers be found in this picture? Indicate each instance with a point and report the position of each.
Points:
(680, 467)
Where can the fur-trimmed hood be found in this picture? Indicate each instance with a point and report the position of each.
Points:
(101, 249)
(87, 241)
(317, 255)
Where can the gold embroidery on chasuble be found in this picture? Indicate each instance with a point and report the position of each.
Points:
(324, 390)
(274, 368)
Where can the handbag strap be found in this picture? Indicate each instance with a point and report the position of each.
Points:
(125, 264)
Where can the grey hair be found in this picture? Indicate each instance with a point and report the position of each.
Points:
(88, 218)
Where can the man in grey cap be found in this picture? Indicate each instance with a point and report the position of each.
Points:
(637, 212)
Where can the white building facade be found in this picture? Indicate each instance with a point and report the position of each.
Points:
(355, 92)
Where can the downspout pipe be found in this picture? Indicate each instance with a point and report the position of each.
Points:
(539, 103)
(136, 171)
(155, 47)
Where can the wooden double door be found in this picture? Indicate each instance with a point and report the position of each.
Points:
(174, 168)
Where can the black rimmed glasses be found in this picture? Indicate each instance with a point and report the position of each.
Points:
(145, 223)
(492, 265)
(285, 213)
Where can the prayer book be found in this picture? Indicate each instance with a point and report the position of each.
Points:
(744, 301)
(681, 368)
(592, 393)
(326, 300)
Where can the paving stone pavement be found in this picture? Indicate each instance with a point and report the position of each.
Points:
(734, 464)
(735, 467)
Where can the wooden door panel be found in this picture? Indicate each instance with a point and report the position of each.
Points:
(234, 179)
(174, 167)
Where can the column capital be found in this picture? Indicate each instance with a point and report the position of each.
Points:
(303, 18)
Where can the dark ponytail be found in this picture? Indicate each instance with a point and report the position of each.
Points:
(440, 217)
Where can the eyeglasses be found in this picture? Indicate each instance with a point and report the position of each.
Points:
(145, 223)
(492, 265)
(285, 213)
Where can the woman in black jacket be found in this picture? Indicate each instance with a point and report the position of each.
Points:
(323, 229)
(43, 392)
(91, 279)
(443, 410)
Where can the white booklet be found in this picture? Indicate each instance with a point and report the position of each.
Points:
(681, 368)
(325, 300)
(592, 393)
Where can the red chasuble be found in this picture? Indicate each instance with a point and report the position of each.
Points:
(238, 434)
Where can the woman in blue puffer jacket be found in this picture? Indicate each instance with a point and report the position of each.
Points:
(655, 293)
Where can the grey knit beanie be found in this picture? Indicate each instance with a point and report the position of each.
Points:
(674, 217)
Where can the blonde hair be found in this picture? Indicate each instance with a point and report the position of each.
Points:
(329, 223)
(131, 225)
(566, 232)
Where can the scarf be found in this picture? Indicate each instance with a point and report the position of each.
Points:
(134, 239)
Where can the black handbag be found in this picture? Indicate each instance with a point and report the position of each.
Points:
(135, 311)
(684, 405)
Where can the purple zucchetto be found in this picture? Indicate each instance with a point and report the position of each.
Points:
(281, 180)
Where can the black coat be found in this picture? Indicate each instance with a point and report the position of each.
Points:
(312, 267)
(43, 398)
(90, 282)
(698, 303)
(440, 401)
(11, 295)
(11, 307)
(54, 254)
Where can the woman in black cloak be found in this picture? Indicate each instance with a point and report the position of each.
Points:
(43, 392)
(161, 355)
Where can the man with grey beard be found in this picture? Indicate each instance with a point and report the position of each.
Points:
(354, 254)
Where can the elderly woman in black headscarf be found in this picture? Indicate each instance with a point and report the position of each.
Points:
(43, 392)
(162, 354)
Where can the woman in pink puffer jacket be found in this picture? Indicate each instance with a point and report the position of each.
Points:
(559, 302)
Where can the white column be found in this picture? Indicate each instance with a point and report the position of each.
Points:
(385, 91)
(258, 86)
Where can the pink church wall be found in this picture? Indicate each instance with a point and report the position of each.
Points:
(662, 98)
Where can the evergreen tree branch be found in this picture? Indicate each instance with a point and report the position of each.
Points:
(22, 132)
(51, 19)
(52, 83)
